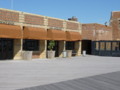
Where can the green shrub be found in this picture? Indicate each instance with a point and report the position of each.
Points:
(51, 44)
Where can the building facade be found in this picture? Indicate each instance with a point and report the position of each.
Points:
(21, 32)
(115, 24)
(96, 32)
(100, 39)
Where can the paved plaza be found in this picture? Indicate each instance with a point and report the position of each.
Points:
(76, 73)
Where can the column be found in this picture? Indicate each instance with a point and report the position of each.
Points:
(78, 48)
(17, 49)
(43, 47)
(61, 48)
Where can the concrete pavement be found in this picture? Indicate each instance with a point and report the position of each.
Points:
(24, 74)
(110, 81)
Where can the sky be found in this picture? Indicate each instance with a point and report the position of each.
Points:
(87, 11)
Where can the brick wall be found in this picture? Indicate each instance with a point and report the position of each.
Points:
(72, 25)
(9, 16)
(96, 32)
(103, 32)
(87, 34)
(88, 31)
(32, 19)
(116, 30)
(103, 35)
(27, 19)
(115, 23)
(115, 15)
(55, 23)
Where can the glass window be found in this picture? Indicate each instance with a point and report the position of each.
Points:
(115, 46)
(108, 46)
(119, 46)
(102, 45)
(0, 45)
(70, 45)
(31, 45)
(97, 46)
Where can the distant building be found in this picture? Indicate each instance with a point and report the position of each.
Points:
(115, 23)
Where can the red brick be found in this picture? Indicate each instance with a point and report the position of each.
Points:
(35, 20)
(115, 23)
(96, 32)
(55, 23)
(72, 25)
(9, 16)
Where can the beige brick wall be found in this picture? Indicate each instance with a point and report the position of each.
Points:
(42, 50)
(61, 48)
(78, 48)
(43, 47)
(17, 49)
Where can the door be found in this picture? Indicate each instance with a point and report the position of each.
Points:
(6, 49)
(86, 45)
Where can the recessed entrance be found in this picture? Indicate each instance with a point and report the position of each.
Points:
(86, 45)
(6, 49)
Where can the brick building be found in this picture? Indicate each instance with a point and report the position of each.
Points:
(115, 24)
(101, 39)
(96, 32)
(21, 32)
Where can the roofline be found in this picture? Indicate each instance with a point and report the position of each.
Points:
(40, 15)
(89, 23)
(115, 11)
(95, 24)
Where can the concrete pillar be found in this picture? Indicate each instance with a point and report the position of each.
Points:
(18, 49)
(61, 48)
(43, 47)
(78, 48)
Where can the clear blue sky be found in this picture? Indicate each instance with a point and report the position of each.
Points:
(87, 11)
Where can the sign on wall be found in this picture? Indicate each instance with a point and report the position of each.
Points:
(7, 22)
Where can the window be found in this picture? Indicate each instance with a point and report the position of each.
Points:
(102, 45)
(70, 45)
(119, 46)
(115, 46)
(108, 46)
(97, 46)
(31, 45)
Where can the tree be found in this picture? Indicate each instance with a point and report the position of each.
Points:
(51, 45)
